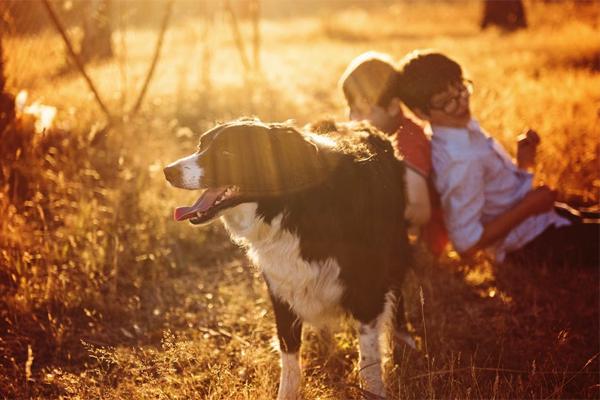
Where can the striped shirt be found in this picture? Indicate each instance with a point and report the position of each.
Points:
(478, 181)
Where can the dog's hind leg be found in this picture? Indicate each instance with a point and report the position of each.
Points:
(374, 314)
(370, 357)
(289, 333)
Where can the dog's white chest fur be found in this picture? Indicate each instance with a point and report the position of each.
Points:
(313, 289)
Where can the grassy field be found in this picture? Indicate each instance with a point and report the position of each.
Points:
(102, 295)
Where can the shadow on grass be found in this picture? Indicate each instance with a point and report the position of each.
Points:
(503, 331)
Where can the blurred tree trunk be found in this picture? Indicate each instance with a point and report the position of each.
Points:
(97, 31)
(7, 101)
(505, 14)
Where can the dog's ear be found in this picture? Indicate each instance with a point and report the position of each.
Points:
(305, 163)
(292, 146)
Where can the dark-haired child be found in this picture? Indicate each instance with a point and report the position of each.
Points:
(488, 200)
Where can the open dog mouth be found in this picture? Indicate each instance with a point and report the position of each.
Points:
(210, 202)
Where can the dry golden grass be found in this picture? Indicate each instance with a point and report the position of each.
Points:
(102, 295)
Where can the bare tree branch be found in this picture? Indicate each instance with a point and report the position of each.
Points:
(75, 57)
(237, 36)
(161, 35)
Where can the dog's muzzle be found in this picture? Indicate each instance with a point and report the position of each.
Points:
(173, 174)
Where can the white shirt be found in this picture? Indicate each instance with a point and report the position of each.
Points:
(477, 181)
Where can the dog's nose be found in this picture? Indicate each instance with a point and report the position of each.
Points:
(172, 173)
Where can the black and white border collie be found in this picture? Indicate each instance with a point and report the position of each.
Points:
(321, 215)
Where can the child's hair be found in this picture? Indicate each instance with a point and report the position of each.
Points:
(423, 74)
(373, 76)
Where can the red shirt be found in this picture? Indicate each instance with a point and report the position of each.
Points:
(414, 146)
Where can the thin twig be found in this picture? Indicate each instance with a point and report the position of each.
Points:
(122, 59)
(430, 380)
(223, 332)
(159, 42)
(237, 36)
(574, 375)
(366, 394)
(75, 57)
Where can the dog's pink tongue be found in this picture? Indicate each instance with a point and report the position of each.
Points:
(206, 200)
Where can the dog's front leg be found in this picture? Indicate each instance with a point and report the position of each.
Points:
(289, 332)
(370, 358)
(289, 380)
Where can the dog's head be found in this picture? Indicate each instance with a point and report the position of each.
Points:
(245, 161)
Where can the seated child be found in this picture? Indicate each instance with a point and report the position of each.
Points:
(370, 86)
(488, 200)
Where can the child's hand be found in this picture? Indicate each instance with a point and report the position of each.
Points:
(526, 149)
(540, 200)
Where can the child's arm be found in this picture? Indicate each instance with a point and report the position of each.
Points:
(537, 201)
(418, 207)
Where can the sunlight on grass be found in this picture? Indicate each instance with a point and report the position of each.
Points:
(104, 296)
(482, 273)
